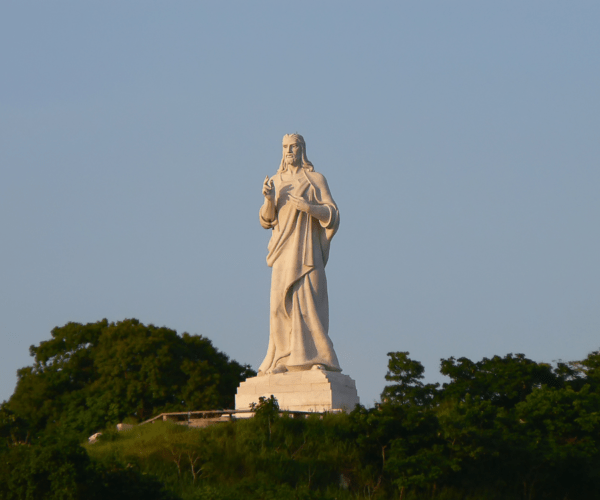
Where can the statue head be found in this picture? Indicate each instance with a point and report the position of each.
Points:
(292, 154)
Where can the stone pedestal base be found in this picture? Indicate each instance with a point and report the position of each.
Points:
(310, 390)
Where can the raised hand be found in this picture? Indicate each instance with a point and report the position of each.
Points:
(268, 190)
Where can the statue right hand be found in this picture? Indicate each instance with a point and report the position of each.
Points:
(268, 190)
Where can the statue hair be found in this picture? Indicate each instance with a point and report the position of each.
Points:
(305, 163)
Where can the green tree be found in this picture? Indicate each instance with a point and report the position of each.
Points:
(416, 454)
(521, 427)
(584, 372)
(408, 388)
(266, 412)
(555, 442)
(502, 381)
(13, 429)
(62, 470)
(88, 376)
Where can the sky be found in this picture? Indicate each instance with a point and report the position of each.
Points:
(460, 141)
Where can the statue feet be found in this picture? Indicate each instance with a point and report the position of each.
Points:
(319, 367)
(279, 369)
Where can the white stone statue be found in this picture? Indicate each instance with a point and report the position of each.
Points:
(303, 217)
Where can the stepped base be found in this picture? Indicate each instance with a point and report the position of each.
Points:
(310, 390)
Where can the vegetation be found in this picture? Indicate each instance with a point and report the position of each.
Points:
(64, 471)
(88, 377)
(502, 428)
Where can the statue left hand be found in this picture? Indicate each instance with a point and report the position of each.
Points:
(315, 210)
(299, 204)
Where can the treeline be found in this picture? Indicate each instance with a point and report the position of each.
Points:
(502, 428)
(506, 426)
(88, 377)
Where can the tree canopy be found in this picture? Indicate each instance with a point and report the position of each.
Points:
(501, 428)
(88, 376)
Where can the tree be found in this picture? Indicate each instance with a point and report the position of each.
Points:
(555, 435)
(502, 381)
(13, 429)
(88, 376)
(404, 429)
(523, 427)
(62, 470)
(266, 412)
(408, 389)
(586, 371)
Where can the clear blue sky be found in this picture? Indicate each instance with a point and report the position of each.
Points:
(461, 141)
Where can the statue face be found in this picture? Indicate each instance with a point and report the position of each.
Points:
(292, 151)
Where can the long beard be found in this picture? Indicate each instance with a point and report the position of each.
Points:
(293, 162)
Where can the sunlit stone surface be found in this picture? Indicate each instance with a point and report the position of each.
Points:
(309, 390)
(300, 368)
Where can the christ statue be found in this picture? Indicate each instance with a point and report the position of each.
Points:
(303, 218)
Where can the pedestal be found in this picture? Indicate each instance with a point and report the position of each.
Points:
(309, 390)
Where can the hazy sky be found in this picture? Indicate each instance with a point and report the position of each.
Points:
(461, 141)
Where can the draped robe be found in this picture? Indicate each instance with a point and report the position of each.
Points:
(298, 253)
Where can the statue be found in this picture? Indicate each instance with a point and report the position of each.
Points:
(303, 217)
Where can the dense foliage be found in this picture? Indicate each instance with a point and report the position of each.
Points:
(501, 428)
(89, 376)
(64, 471)
(495, 431)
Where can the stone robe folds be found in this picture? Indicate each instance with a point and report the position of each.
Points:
(298, 253)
